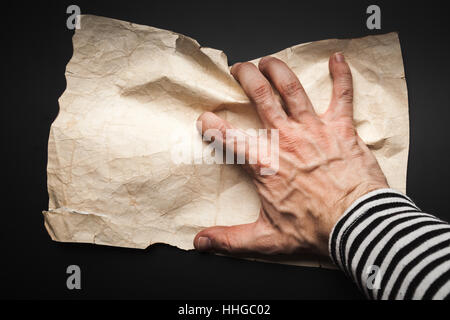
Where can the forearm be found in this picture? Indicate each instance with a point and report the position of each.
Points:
(385, 235)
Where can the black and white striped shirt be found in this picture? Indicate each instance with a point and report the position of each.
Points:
(391, 249)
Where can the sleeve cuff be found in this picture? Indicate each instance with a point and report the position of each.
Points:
(366, 205)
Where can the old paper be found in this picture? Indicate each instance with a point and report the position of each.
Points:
(133, 95)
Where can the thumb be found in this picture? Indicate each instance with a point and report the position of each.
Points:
(236, 239)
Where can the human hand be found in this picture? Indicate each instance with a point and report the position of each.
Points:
(323, 164)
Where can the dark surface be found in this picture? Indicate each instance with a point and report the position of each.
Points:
(35, 49)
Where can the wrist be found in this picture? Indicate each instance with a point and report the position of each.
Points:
(366, 205)
(342, 207)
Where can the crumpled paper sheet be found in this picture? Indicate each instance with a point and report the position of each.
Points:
(134, 92)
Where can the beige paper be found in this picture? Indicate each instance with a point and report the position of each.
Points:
(134, 93)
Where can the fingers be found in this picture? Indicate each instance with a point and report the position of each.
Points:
(209, 121)
(341, 105)
(232, 139)
(289, 87)
(244, 238)
(260, 92)
(235, 239)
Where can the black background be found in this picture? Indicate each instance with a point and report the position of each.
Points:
(35, 48)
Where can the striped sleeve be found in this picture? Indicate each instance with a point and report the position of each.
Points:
(391, 249)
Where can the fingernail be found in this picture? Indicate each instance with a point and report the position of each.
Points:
(203, 244)
(339, 57)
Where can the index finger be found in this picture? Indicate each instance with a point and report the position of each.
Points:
(260, 92)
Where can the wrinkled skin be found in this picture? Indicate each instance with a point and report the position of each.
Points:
(323, 164)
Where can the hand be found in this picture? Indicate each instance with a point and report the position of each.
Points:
(323, 164)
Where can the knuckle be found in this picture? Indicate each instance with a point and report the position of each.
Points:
(225, 243)
(345, 129)
(268, 241)
(222, 128)
(289, 143)
(262, 93)
(345, 94)
(291, 88)
(228, 243)
(268, 246)
(323, 138)
(258, 166)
